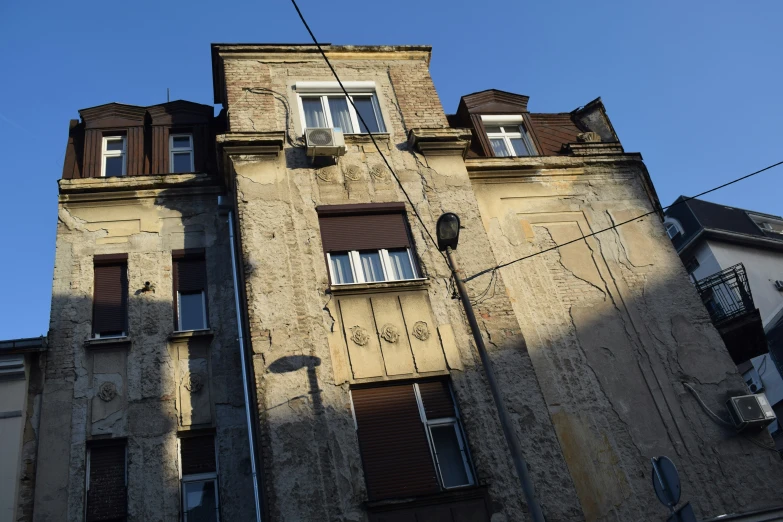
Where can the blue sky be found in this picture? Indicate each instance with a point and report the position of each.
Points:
(695, 88)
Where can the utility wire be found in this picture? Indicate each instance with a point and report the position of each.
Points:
(369, 133)
(503, 265)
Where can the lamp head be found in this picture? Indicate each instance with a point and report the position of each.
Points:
(447, 231)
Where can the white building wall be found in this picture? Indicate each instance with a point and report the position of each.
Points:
(13, 395)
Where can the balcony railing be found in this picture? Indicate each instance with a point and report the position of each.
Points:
(726, 294)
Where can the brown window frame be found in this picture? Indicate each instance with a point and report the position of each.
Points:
(103, 263)
(195, 255)
(380, 230)
(386, 474)
(92, 447)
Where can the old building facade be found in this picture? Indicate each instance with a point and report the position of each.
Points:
(195, 253)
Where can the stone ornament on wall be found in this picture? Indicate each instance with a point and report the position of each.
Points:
(390, 333)
(352, 172)
(379, 172)
(421, 331)
(194, 382)
(327, 174)
(359, 335)
(107, 392)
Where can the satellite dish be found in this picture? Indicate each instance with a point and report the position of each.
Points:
(666, 481)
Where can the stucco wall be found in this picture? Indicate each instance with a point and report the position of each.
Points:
(312, 465)
(613, 327)
(147, 218)
(13, 404)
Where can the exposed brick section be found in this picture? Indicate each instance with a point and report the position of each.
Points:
(247, 110)
(107, 496)
(416, 95)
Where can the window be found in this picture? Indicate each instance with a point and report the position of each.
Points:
(113, 157)
(411, 439)
(181, 153)
(190, 296)
(110, 296)
(692, 265)
(367, 243)
(199, 479)
(673, 227)
(509, 139)
(323, 104)
(107, 483)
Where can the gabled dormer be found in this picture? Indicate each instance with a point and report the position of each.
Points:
(115, 139)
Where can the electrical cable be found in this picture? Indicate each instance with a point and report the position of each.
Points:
(369, 133)
(503, 265)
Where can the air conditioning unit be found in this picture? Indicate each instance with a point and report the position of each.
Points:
(323, 141)
(12, 366)
(750, 411)
(779, 285)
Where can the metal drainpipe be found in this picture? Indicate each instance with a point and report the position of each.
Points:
(243, 358)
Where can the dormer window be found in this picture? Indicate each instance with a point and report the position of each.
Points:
(323, 104)
(672, 227)
(181, 153)
(113, 156)
(508, 137)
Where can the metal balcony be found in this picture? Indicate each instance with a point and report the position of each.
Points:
(726, 294)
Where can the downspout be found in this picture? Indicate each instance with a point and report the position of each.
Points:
(224, 207)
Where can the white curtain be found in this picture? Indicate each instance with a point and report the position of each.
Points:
(338, 106)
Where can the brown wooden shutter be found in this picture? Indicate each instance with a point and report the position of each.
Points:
(363, 232)
(106, 498)
(198, 454)
(110, 297)
(395, 452)
(436, 397)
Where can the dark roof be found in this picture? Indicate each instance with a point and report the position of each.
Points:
(553, 131)
(696, 215)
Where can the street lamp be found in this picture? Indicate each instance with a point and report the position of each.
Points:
(447, 231)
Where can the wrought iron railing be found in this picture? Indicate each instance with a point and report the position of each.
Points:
(726, 294)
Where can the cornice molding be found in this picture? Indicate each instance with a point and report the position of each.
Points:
(251, 143)
(440, 141)
(527, 166)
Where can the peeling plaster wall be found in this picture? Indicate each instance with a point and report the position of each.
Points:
(311, 460)
(613, 326)
(147, 223)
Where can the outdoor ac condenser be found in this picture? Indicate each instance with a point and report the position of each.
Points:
(750, 411)
(323, 141)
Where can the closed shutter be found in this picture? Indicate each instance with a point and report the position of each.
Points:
(106, 497)
(198, 454)
(110, 297)
(437, 400)
(364, 232)
(395, 452)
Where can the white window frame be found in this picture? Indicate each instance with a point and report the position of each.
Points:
(671, 222)
(445, 421)
(180, 150)
(197, 477)
(325, 90)
(518, 130)
(386, 265)
(105, 153)
(203, 311)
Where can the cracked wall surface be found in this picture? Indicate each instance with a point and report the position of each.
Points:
(147, 218)
(613, 327)
(312, 466)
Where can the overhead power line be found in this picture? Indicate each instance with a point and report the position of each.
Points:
(369, 133)
(503, 265)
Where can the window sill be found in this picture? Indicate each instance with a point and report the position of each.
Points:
(189, 334)
(107, 342)
(388, 286)
(365, 138)
(475, 492)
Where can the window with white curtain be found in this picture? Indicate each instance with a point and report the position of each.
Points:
(371, 266)
(336, 111)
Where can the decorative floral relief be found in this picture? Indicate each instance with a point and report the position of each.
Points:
(107, 391)
(379, 172)
(352, 172)
(359, 335)
(194, 381)
(421, 331)
(326, 174)
(390, 333)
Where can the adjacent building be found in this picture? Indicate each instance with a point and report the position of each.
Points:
(735, 258)
(245, 329)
